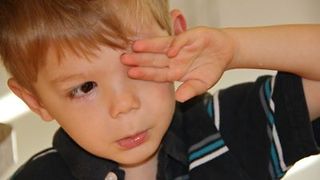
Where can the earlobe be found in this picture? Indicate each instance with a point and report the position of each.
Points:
(179, 22)
(30, 99)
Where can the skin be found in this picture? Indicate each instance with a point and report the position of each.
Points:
(98, 104)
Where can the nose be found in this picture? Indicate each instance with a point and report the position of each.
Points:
(123, 102)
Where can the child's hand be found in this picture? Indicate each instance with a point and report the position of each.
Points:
(197, 58)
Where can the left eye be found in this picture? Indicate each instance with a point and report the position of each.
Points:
(83, 89)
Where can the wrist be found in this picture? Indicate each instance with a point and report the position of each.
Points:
(232, 39)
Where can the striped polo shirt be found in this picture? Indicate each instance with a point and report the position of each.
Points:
(250, 131)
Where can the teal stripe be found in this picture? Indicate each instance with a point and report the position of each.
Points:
(275, 162)
(267, 89)
(270, 118)
(205, 150)
(209, 109)
(267, 92)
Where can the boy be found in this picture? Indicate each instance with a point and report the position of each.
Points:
(67, 63)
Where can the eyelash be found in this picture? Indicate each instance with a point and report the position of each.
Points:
(83, 89)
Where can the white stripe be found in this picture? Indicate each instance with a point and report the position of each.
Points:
(271, 103)
(273, 80)
(272, 106)
(279, 149)
(274, 131)
(208, 157)
(216, 112)
(44, 153)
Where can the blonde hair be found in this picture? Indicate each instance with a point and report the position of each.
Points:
(28, 28)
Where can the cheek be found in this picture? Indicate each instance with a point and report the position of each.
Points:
(163, 90)
(162, 94)
(82, 118)
(89, 131)
(76, 117)
(161, 98)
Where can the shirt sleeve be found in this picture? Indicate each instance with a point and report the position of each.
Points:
(266, 124)
(293, 126)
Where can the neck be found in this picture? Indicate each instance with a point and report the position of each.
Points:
(145, 170)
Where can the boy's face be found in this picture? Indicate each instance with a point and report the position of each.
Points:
(102, 109)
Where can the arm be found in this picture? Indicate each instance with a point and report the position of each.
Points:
(290, 48)
(198, 57)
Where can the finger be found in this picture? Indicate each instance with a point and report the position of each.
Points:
(189, 89)
(150, 74)
(145, 60)
(154, 45)
(177, 44)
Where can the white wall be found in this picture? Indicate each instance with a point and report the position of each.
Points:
(222, 13)
(34, 135)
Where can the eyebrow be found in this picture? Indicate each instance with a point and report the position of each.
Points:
(64, 78)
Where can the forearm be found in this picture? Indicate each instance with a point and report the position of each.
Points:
(290, 48)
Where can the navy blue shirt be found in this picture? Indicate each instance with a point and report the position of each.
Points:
(249, 131)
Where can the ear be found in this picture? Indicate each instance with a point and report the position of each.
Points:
(30, 99)
(179, 22)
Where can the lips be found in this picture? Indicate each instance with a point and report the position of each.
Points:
(133, 141)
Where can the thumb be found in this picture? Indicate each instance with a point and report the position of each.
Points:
(189, 89)
(177, 44)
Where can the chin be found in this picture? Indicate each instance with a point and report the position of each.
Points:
(138, 156)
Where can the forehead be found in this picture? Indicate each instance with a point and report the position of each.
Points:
(63, 56)
(70, 64)
(72, 55)
(84, 48)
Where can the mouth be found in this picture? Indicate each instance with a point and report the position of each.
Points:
(133, 141)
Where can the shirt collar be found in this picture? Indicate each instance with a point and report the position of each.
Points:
(82, 164)
(173, 142)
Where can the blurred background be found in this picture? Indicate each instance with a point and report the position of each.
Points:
(33, 135)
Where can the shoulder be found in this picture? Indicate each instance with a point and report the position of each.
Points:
(46, 164)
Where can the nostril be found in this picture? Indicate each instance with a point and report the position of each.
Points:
(124, 104)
